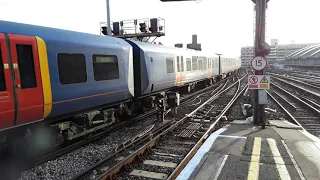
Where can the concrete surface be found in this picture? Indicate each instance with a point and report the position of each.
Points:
(284, 152)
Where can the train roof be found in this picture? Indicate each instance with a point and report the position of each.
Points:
(168, 49)
(157, 48)
(55, 34)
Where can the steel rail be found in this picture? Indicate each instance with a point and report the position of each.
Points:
(312, 93)
(289, 103)
(311, 102)
(85, 173)
(296, 81)
(83, 142)
(296, 98)
(117, 168)
(193, 151)
(108, 130)
(285, 110)
(146, 136)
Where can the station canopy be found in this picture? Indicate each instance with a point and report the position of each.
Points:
(309, 52)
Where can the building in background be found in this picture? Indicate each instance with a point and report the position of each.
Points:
(278, 52)
(194, 45)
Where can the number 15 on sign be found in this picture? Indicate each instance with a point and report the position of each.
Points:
(258, 63)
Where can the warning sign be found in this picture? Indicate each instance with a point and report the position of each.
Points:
(253, 80)
(264, 80)
(259, 81)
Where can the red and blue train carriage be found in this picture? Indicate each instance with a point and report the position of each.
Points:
(49, 74)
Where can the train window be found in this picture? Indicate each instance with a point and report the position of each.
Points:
(205, 64)
(194, 63)
(72, 68)
(105, 67)
(188, 64)
(26, 66)
(200, 64)
(178, 64)
(182, 65)
(2, 79)
(170, 67)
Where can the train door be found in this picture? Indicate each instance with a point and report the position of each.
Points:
(27, 78)
(7, 101)
(178, 73)
(209, 67)
(205, 66)
(181, 75)
(182, 70)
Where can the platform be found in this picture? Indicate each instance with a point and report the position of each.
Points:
(242, 151)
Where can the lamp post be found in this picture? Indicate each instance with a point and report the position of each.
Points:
(108, 18)
(218, 54)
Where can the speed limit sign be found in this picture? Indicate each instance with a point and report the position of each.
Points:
(258, 63)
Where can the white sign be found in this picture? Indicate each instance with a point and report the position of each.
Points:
(258, 63)
(259, 81)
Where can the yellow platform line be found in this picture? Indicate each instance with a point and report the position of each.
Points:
(253, 172)
(281, 166)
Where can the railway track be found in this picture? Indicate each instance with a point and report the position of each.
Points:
(304, 80)
(162, 151)
(297, 89)
(300, 83)
(185, 100)
(302, 110)
(306, 76)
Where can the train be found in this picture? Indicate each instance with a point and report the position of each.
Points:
(76, 83)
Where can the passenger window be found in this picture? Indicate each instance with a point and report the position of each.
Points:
(178, 64)
(105, 67)
(26, 66)
(200, 64)
(2, 78)
(182, 65)
(204, 64)
(194, 63)
(169, 63)
(188, 64)
(72, 68)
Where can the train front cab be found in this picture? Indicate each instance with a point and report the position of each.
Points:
(25, 92)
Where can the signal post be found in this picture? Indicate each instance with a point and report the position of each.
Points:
(262, 49)
(258, 63)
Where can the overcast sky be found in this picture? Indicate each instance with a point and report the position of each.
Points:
(222, 26)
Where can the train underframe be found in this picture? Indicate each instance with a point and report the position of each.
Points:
(84, 124)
